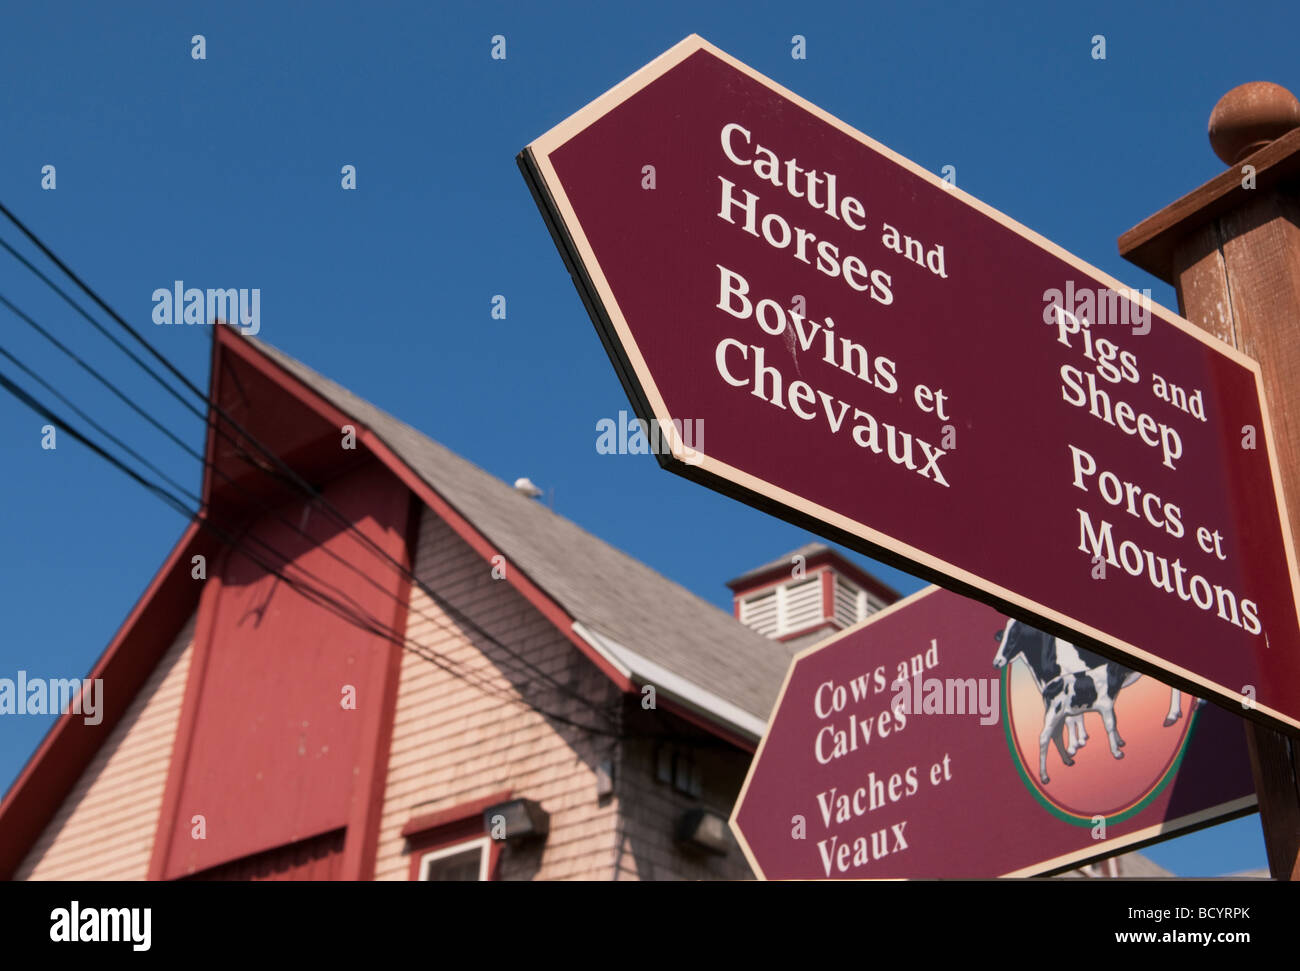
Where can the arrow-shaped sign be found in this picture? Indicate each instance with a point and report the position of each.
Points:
(819, 327)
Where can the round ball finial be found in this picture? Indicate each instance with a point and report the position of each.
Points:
(1249, 117)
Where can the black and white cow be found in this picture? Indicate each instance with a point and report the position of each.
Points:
(1072, 681)
(1046, 657)
(1062, 657)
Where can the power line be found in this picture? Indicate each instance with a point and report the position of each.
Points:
(26, 318)
(75, 358)
(295, 481)
(104, 306)
(357, 617)
(92, 422)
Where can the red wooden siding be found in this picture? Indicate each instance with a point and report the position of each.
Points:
(319, 858)
(267, 754)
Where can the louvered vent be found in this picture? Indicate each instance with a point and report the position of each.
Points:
(759, 613)
(784, 610)
(803, 604)
(847, 609)
(853, 604)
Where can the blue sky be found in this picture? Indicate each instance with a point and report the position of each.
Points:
(225, 172)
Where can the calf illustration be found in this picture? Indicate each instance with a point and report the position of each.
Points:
(1072, 681)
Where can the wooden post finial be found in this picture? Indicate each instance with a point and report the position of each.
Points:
(1249, 117)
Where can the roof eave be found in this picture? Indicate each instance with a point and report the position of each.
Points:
(707, 710)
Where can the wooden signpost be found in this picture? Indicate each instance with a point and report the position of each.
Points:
(1231, 249)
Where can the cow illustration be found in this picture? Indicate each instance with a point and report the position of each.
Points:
(1071, 659)
(1046, 657)
(1072, 681)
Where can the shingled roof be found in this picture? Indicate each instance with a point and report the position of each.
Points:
(658, 630)
(807, 551)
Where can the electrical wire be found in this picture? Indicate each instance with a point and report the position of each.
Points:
(287, 474)
(33, 323)
(357, 618)
(294, 481)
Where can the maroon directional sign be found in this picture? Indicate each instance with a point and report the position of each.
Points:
(819, 327)
(901, 748)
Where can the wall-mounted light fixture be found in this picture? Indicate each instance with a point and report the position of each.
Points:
(518, 819)
(705, 829)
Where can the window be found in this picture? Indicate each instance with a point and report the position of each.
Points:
(461, 861)
(453, 843)
(678, 768)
